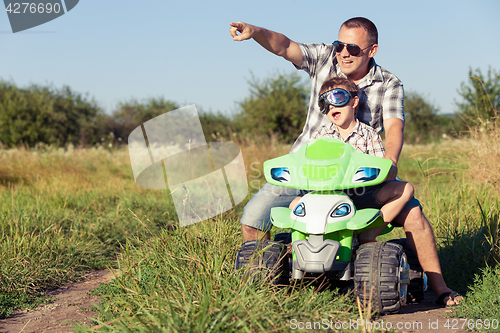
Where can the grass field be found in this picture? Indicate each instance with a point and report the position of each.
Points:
(67, 211)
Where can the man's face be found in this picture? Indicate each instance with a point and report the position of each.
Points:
(355, 67)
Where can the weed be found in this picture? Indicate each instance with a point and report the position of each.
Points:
(482, 299)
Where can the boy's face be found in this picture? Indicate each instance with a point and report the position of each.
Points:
(343, 116)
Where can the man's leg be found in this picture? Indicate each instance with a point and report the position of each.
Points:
(251, 233)
(421, 240)
(256, 219)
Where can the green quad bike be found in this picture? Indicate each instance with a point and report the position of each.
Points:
(324, 224)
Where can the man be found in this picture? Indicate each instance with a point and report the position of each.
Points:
(381, 106)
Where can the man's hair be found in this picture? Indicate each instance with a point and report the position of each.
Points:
(362, 22)
(339, 82)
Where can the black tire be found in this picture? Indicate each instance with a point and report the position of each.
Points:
(264, 259)
(283, 237)
(378, 266)
(418, 285)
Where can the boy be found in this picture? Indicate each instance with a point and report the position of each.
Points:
(338, 99)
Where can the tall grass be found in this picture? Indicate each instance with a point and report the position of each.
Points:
(63, 213)
(185, 291)
(480, 212)
(457, 182)
(184, 280)
(67, 211)
(484, 153)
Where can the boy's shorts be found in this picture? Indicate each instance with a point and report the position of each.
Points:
(366, 197)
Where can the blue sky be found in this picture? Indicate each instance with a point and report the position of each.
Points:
(118, 50)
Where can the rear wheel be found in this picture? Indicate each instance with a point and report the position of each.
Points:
(381, 275)
(418, 279)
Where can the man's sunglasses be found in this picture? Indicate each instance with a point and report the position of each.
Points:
(353, 49)
(337, 97)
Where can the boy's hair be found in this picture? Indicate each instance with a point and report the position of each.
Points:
(339, 82)
(362, 22)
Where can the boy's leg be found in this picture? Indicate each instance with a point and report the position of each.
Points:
(393, 196)
(294, 202)
(256, 222)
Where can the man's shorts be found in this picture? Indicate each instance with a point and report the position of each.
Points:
(257, 212)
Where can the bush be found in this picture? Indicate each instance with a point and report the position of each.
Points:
(481, 97)
(132, 114)
(276, 106)
(216, 127)
(45, 114)
(423, 124)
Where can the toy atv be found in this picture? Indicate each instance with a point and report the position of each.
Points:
(324, 223)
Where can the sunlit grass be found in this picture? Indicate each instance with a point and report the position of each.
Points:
(67, 211)
(183, 280)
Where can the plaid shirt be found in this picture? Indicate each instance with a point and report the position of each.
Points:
(381, 94)
(362, 137)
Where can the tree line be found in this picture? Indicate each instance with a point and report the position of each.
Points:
(58, 117)
(275, 106)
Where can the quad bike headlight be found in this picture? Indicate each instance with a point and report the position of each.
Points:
(300, 210)
(342, 210)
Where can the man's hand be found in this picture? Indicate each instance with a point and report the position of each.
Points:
(242, 31)
(272, 41)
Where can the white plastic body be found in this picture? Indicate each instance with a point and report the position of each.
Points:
(318, 210)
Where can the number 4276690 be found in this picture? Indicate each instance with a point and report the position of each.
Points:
(27, 7)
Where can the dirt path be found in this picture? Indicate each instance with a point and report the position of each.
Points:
(70, 306)
(72, 300)
(424, 317)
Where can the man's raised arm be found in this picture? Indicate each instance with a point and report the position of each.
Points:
(272, 41)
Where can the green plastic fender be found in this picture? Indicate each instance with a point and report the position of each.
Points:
(280, 217)
(364, 218)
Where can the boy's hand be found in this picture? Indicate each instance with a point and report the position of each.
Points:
(245, 30)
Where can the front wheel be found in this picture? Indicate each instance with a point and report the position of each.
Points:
(381, 274)
(264, 259)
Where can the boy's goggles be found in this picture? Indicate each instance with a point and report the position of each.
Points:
(337, 97)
